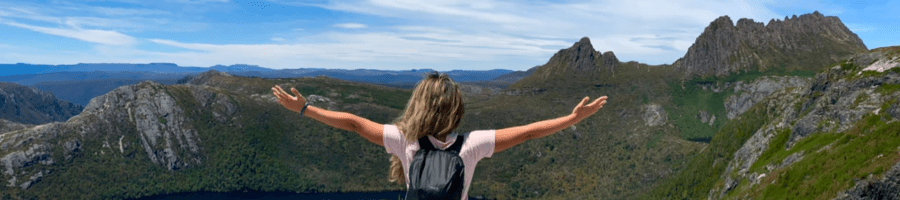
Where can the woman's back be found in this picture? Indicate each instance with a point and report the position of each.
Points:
(477, 145)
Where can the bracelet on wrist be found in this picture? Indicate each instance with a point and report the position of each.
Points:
(304, 108)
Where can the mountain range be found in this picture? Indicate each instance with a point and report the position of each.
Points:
(802, 111)
(82, 82)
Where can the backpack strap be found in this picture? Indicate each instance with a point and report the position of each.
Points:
(425, 144)
(457, 145)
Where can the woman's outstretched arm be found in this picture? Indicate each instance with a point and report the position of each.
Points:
(345, 121)
(509, 137)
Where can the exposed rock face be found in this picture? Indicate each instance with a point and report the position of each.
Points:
(654, 115)
(748, 94)
(320, 100)
(142, 117)
(31, 106)
(780, 100)
(886, 188)
(808, 42)
(579, 60)
(832, 102)
(161, 124)
(834, 105)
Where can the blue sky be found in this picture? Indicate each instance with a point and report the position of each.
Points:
(387, 34)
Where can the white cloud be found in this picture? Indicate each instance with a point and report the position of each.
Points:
(439, 34)
(611, 25)
(88, 35)
(350, 25)
(366, 50)
(127, 11)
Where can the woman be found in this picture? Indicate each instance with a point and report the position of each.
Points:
(434, 110)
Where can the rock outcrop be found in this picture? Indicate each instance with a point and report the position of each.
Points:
(807, 42)
(888, 187)
(836, 104)
(748, 94)
(579, 60)
(142, 117)
(29, 105)
(654, 115)
(832, 102)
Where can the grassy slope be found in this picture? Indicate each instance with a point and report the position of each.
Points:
(865, 151)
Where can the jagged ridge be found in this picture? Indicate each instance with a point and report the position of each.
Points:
(807, 42)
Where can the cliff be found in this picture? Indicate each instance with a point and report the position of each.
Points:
(807, 42)
(579, 61)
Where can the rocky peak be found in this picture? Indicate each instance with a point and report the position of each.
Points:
(580, 59)
(808, 42)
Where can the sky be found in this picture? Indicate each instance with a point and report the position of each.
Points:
(389, 34)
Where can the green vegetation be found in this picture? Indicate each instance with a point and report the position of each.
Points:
(687, 103)
(888, 89)
(689, 98)
(862, 153)
(702, 172)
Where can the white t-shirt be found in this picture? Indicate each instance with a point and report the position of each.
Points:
(478, 145)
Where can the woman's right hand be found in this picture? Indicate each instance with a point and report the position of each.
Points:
(583, 111)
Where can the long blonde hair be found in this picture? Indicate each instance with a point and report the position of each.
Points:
(435, 108)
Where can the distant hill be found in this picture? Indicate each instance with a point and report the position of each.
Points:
(81, 92)
(82, 84)
(28, 74)
(29, 105)
(25, 69)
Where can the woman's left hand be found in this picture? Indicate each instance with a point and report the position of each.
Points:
(290, 102)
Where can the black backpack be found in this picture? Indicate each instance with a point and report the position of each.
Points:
(436, 174)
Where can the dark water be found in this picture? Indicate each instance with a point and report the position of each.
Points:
(703, 139)
(277, 196)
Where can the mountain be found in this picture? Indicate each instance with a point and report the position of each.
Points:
(239, 68)
(808, 42)
(25, 69)
(29, 105)
(515, 76)
(72, 77)
(832, 136)
(80, 86)
(578, 61)
(226, 134)
(27, 74)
